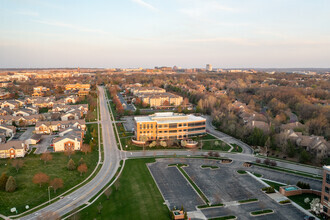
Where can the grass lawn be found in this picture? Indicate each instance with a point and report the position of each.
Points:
(273, 184)
(31, 194)
(237, 148)
(137, 197)
(241, 171)
(261, 212)
(299, 199)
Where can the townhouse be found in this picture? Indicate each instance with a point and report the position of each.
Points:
(13, 149)
(48, 127)
(70, 139)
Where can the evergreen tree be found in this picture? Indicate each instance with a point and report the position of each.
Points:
(11, 184)
(81, 161)
(3, 181)
(71, 165)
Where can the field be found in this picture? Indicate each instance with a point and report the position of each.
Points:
(31, 194)
(136, 198)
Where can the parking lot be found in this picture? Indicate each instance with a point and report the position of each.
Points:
(223, 185)
(44, 144)
(129, 123)
(174, 187)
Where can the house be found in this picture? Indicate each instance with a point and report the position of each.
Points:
(69, 141)
(71, 99)
(66, 108)
(292, 126)
(27, 120)
(34, 139)
(6, 111)
(34, 110)
(3, 138)
(8, 130)
(43, 102)
(11, 104)
(47, 127)
(316, 145)
(73, 114)
(6, 119)
(39, 91)
(259, 124)
(22, 112)
(13, 149)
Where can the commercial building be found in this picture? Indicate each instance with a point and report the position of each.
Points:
(169, 125)
(209, 67)
(326, 190)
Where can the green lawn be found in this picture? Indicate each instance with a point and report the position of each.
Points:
(137, 197)
(237, 148)
(31, 194)
(261, 212)
(299, 199)
(241, 171)
(273, 184)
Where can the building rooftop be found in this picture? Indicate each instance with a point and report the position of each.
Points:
(168, 117)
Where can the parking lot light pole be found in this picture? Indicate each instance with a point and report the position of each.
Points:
(49, 194)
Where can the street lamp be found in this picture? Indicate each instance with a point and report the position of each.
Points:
(49, 194)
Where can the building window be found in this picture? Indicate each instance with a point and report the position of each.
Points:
(326, 198)
(325, 209)
(147, 126)
(326, 189)
(159, 126)
(327, 178)
(151, 126)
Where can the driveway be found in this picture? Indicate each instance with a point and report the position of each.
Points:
(45, 142)
(27, 134)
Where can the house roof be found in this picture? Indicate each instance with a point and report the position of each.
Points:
(72, 135)
(12, 144)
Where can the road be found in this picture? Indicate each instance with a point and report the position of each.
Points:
(106, 173)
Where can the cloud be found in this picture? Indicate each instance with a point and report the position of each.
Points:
(70, 26)
(145, 4)
(238, 41)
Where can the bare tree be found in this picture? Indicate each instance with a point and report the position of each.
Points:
(86, 148)
(99, 208)
(46, 157)
(82, 168)
(108, 192)
(56, 184)
(40, 178)
(117, 184)
(17, 164)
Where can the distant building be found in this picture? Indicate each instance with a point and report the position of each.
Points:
(39, 91)
(169, 125)
(326, 190)
(209, 67)
(82, 89)
(161, 99)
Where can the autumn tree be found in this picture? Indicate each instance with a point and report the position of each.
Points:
(99, 208)
(40, 178)
(117, 184)
(56, 183)
(108, 192)
(17, 164)
(71, 165)
(69, 151)
(46, 157)
(86, 148)
(82, 169)
(3, 181)
(81, 161)
(11, 184)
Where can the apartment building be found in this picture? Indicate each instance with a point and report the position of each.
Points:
(83, 89)
(13, 149)
(325, 195)
(161, 99)
(39, 91)
(169, 125)
(146, 90)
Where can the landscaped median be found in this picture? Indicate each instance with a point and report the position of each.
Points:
(262, 212)
(229, 217)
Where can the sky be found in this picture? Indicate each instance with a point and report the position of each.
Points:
(149, 33)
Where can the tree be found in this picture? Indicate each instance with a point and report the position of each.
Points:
(71, 165)
(69, 151)
(82, 169)
(56, 183)
(163, 144)
(166, 103)
(17, 164)
(153, 144)
(46, 157)
(40, 178)
(3, 181)
(304, 156)
(86, 148)
(144, 139)
(81, 161)
(11, 184)
(108, 192)
(99, 208)
(117, 185)
(183, 143)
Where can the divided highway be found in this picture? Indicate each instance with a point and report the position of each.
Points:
(110, 165)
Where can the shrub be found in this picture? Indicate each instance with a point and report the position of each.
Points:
(267, 161)
(303, 185)
(273, 163)
(268, 190)
(285, 201)
(258, 161)
(11, 184)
